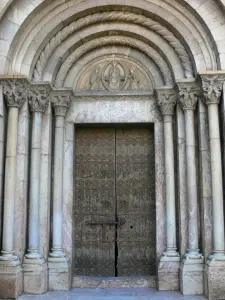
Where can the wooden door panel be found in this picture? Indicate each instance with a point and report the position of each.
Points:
(95, 202)
(135, 193)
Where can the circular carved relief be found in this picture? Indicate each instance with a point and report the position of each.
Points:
(114, 74)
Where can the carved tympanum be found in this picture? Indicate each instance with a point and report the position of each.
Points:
(114, 75)
(212, 85)
(38, 97)
(166, 99)
(15, 92)
(61, 102)
(189, 92)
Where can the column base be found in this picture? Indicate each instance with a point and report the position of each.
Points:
(168, 272)
(215, 277)
(11, 278)
(60, 273)
(35, 276)
(191, 275)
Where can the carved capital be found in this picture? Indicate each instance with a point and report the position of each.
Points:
(15, 91)
(166, 99)
(38, 97)
(61, 101)
(189, 92)
(212, 85)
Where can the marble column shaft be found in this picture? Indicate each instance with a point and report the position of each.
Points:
(57, 183)
(189, 93)
(35, 183)
(61, 102)
(191, 180)
(167, 101)
(217, 184)
(212, 88)
(170, 183)
(14, 94)
(38, 101)
(10, 181)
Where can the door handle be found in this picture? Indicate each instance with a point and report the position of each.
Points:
(109, 222)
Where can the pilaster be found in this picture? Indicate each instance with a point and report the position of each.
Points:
(11, 279)
(35, 267)
(60, 273)
(212, 84)
(169, 264)
(191, 275)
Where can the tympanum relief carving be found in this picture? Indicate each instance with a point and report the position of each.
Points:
(114, 74)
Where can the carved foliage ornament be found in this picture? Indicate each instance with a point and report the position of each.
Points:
(38, 97)
(167, 99)
(15, 92)
(189, 93)
(60, 102)
(212, 88)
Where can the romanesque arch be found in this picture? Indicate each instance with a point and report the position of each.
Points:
(67, 63)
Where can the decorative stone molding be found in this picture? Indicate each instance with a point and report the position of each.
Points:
(189, 92)
(212, 85)
(113, 16)
(38, 97)
(112, 40)
(15, 91)
(166, 99)
(61, 102)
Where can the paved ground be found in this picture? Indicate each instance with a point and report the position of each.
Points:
(113, 294)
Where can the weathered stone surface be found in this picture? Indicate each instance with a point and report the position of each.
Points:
(169, 273)
(11, 279)
(35, 276)
(215, 279)
(191, 276)
(117, 282)
(60, 274)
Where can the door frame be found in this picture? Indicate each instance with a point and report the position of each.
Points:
(112, 110)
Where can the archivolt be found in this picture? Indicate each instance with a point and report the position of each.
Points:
(112, 16)
(113, 40)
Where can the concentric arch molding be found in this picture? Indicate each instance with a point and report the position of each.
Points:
(113, 40)
(113, 16)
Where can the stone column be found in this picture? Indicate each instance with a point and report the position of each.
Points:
(212, 83)
(58, 264)
(192, 263)
(35, 268)
(168, 270)
(11, 281)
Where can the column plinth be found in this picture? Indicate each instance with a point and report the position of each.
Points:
(59, 266)
(11, 283)
(191, 279)
(215, 265)
(34, 265)
(168, 269)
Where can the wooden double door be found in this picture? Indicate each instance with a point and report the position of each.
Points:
(114, 206)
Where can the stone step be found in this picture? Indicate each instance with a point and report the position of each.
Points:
(114, 282)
